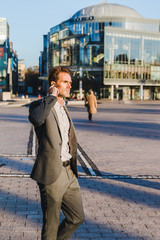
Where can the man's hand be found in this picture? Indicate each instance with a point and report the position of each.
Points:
(53, 90)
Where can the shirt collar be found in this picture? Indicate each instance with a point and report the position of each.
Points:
(58, 105)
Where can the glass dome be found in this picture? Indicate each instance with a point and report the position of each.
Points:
(106, 9)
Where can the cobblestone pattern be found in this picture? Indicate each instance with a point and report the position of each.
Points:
(121, 209)
(114, 209)
(15, 129)
(121, 139)
(16, 165)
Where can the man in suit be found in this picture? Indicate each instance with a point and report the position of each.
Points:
(55, 168)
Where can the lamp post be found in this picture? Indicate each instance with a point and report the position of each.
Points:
(80, 83)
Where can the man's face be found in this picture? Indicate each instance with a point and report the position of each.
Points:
(63, 84)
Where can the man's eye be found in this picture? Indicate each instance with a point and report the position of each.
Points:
(68, 83)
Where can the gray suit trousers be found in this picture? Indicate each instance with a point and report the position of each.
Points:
(65, 195)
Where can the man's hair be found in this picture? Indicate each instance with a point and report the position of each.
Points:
(54, 73)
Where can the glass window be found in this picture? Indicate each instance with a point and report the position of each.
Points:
(132, 56)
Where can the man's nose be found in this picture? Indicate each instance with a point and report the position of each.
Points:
(69, 85)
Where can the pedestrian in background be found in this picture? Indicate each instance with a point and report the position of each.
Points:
(91, 103)
(55, 169)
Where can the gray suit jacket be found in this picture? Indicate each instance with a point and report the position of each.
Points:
(48, 164)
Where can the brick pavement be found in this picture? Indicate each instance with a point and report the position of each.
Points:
(114, 208)
(125, 137)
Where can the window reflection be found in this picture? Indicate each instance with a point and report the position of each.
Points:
(132, 56)
(126, 54)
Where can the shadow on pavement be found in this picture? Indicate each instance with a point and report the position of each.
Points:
(124, 192)
(121, 109)
(135, 181)
(29, 210)
(124, 128)
(20, 206)
(13, 118)
(14, 165)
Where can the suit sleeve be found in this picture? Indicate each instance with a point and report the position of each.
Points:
(39, 110)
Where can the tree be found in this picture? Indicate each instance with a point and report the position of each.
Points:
(32, 81)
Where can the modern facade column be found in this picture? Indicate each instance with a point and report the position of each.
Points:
(141, 92)
(80, 83)
(112, 92)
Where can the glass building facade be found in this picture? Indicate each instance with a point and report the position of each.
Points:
(116, 50)
(8, 60)
(4, 52)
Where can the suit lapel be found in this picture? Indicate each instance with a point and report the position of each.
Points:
(70, 121)
(57, 121)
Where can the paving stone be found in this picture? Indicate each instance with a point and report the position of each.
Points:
(126, 142)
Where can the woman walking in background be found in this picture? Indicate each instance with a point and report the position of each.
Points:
(91, 103)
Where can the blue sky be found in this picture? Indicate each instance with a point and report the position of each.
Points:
(30, 19)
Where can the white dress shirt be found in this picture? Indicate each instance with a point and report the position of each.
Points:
(64, 125)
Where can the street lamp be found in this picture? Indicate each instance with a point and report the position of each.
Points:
(80, 83)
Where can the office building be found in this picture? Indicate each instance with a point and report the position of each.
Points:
(21, 77)
(8, 60)
(112, 49)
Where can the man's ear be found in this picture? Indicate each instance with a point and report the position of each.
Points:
(52, 82)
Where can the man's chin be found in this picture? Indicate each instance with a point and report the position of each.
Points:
(64, 95)
(67, 94)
